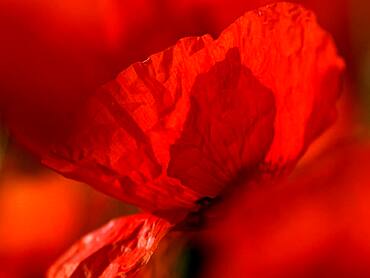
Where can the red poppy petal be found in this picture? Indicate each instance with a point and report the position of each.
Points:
(288, 52)
(181, 125)
(139, 137)
(120, 247)
(122, 138)
(228, 130)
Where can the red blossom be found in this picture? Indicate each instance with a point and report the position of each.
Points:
(192, 123)
(133, 134)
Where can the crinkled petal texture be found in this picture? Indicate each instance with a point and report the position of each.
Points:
(118, 249)
(185, 123)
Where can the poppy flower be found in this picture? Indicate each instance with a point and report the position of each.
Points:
(187, 127)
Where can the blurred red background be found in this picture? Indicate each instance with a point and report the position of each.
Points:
(315, 224)
(54, 53)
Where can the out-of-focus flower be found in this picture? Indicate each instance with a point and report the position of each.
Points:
(26, 247)
(189, 126)
(41, 213)
(315, 224)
